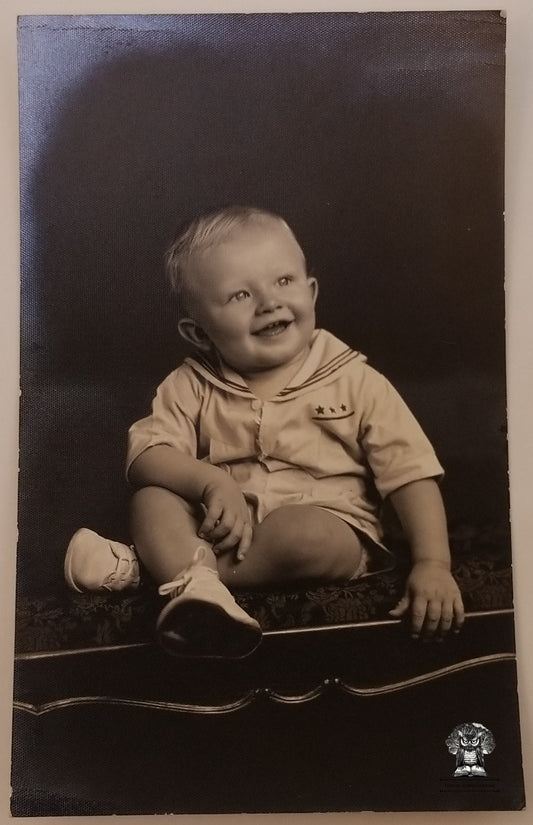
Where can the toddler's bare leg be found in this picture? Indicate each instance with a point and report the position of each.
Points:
(200, 618)
(164, 530)
(295, 543)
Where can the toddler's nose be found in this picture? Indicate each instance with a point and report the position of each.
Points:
(267, 303)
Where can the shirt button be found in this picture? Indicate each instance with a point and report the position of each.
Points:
(257, 404)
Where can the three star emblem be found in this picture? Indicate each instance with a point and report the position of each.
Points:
(321, 410)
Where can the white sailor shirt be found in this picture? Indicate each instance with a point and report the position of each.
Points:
(338, 437)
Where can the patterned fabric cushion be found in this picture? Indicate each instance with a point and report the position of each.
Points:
(481, 565)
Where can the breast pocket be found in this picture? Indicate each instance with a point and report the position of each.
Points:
(339, 450)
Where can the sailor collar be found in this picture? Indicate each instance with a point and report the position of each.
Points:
(326, 358)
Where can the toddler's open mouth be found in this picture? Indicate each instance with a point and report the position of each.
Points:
(275, 328)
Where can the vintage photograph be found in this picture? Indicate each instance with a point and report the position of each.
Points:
(264, 557)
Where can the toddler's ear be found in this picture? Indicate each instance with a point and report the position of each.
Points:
(194, 334)
(313, 285)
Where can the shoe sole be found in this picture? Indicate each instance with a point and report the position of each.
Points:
(198, 629)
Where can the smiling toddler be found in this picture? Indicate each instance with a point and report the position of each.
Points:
(265, 456)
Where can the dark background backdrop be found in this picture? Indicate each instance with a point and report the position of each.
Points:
(379, 137)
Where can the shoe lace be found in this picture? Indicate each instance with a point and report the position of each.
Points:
(126, 569)
(178, 585)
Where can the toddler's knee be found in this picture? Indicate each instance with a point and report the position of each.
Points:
(142, 498)
(314, 544)
(148, 499)
(305, 527)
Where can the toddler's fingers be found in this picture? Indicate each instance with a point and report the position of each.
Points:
(230, 540)
(401, 608)
(446, 618)
(418, 615)
(459, 614)
(212, 515)
(245, 542)
(224, 528)
(219, 551)
(433, 617)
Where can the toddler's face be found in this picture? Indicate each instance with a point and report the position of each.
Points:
(253, 300)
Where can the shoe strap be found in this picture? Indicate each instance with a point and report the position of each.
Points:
(177, 586)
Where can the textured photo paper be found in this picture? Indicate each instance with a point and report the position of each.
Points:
(379, 137)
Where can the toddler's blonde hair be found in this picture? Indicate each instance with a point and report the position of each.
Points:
(202, 233)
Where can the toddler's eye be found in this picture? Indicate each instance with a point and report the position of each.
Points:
(240, 295)
(285, 280)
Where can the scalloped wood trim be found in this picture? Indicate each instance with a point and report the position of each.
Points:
(265, 693)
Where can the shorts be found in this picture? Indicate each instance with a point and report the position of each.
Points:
(362, 567)
(374, 557)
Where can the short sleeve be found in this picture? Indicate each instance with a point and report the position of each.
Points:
(173, 418)
(397, 449)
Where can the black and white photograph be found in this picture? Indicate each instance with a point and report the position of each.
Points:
(264, 558)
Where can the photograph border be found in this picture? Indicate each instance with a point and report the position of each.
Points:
(519, 296)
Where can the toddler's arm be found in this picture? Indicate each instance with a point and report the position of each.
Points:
(226, 523)
(431, 591)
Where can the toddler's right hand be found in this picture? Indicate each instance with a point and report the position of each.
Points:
(227, 522)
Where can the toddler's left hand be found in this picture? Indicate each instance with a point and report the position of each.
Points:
(434, 598)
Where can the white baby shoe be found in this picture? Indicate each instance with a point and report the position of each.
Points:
(202, 619)
(95, 563)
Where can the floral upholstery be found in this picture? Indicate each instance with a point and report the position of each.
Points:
(481, 565)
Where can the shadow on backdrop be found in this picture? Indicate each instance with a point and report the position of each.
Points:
(379, 137)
